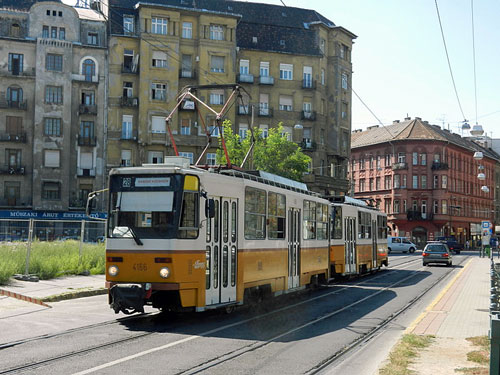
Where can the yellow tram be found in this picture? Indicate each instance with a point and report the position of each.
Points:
(185, 238)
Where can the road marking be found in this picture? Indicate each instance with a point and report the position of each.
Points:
(441, 294)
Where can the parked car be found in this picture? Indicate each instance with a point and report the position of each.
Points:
(452, 243)
(436, 252)
(401, 244)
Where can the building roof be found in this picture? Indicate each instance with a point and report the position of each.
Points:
(415, 129)
(21, 4)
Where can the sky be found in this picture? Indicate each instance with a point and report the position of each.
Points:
(399, 61)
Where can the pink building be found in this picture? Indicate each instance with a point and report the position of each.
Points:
(425, 178)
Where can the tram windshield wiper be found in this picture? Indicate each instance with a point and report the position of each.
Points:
(122, 231)
(135, 236)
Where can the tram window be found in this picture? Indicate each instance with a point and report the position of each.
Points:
(207, 267)
(225, 254)
(233, 265)
(255, 213)
(216, 222)
(216, 267)
(276, 215)
(225, 222)
(233, 222)
(382, 226)
(189, 216)
(309, 220)
(209, 229)
(364, 225)
(337, 223)
(322, 221)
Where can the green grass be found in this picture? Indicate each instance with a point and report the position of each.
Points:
(403, 354)
(480, 356)
(50, 259)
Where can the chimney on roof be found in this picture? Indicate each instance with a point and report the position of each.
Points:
(426, 122)
(357, 131)
(407, 118)
(395, 122)
(372, 127)
(418, 118)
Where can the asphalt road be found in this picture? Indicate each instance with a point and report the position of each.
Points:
(293, 334)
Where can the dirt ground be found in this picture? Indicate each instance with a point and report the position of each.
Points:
(443, 357)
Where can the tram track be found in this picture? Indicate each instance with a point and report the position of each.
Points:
(227, 356)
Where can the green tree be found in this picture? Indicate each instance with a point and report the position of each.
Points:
(274, 154)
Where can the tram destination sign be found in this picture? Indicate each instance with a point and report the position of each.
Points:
(49, 215)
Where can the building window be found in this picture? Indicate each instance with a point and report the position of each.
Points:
(264, 69)
(52, 127)
(87, 131)
(185, 127)
(13, 157)
(286, 72)
(322, 45)
(435, 207)
(128, 24)
(387, 182)
(88, 98)
(187, 30)
(404, 205)
(158, 124)
(188, 155)
(423, 182)
(243, 130)
(435, 183)
(396, 206)
(51, 190)
(15, 30)
(158, 91)
(344, 81)
(323, 77)
(54, 62)
(53, 95)
(403, 182)
(415, 182)
(155, 157)
(126, 158)
(285, 103)
(45, 32)
(401, 157)
(345, 108)
(15, 63)
(362, 184)
(244, 67)
(423, 159)
(217, 97)
(53, 32)
(415, 158)
(264, 131)
(397, 181)
(92, 39)
(307, 77)
(52, 158)
(216, 32)
(444, 207)
(128, 91)
(217, 64)
(377, 183)
(88, 69)
(211, 157)
(159, 59)
(159, 25)
(14, 126)
(127, 127)
(62, 33)
(444, 182)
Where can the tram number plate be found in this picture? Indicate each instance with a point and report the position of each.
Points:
(140, 267)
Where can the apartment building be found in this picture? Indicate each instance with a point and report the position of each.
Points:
(293, 65)
(52, 109)
(425, 178)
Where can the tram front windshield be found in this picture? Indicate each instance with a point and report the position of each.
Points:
(148, 206)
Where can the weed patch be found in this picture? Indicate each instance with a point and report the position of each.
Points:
(404, 353)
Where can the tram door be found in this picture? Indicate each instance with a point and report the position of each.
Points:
(293, 248)
(374, 244)
(350, 244)
(222, 252)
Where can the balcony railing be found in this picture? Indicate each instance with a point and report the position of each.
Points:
(85, 109)
(130, 68)
(85, 172)
(185, 73)
(308, 84)
(308, 145)
(265, 112)
(129, 101)
(86, 141)
(20, 137)
(266, 80)
(437, 166)
(129, 136)
(244, 78)
(418, 215)
(397, 166)
(13, 104)
(308, 115)
(12, 170)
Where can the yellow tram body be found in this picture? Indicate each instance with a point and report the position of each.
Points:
(255, 238)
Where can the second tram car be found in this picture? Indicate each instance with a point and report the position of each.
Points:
(185, 238)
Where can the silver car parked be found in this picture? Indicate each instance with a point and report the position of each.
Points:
(436, 252)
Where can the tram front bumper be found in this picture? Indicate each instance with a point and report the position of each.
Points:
(128, 298)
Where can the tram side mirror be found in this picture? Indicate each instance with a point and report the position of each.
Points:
(88, 207)
(209, 208)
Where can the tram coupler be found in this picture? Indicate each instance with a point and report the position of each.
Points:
(129, 298)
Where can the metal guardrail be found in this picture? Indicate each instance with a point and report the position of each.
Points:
(495, 318)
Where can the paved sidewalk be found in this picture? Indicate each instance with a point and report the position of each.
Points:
(460, 311)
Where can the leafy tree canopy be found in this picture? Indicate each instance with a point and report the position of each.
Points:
(274, 154)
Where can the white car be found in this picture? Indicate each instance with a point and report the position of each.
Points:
(401, 244)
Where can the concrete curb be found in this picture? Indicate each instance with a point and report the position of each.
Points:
(74, 294)
(22, 297)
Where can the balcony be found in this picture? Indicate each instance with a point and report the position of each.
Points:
(309, 84)
(308, 145)
(265, 112)
(22, 105)
(185, 73)
(130, 69)
(244, 78)
(12, 170)
(129, 136)
(308, 115)
(86, 141)
(85, 78)
(417, 215)
(15, 202)
(397, 166)
(84, 172)
(84, 109)
(438, 166)
(78, 203)
(5, 137)
(129, 101)
(266, 80)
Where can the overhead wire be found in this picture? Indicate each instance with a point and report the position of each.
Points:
(474, 55)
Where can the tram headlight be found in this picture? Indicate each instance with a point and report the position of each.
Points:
(113, 270)
(165, 272)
